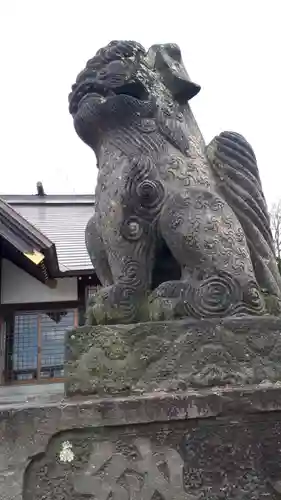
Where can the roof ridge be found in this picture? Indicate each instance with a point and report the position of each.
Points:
(25, 237)
(49, 199)
(17, 221)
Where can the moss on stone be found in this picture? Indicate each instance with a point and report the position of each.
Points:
(272, 304)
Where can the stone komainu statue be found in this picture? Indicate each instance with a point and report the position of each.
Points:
(180, 228)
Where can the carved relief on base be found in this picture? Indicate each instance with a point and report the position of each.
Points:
(169, 461)
(173, 356)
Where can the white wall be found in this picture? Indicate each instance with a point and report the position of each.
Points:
(18, 287)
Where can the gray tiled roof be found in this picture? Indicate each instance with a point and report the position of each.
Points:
(64, 224)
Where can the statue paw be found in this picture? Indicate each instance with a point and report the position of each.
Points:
(165, 301)
(217, 295)
(161, 309)
(115, 304)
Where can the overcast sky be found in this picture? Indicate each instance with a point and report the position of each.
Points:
(231, 48)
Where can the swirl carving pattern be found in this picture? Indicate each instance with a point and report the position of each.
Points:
(181, 228)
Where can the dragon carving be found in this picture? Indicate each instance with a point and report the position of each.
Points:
(180, 228)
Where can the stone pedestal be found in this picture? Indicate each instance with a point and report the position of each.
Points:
(173, 356)
(209, 444)
(160, 427)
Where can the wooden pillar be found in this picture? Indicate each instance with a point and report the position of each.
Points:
(2, 351)
(39, 346)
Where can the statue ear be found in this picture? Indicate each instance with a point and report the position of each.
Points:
(168, 61)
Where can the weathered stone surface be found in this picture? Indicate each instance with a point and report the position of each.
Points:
(180, 229)
(218, 443)
(172, 356)
(167, 461)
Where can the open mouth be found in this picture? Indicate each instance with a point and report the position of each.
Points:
(87, 89)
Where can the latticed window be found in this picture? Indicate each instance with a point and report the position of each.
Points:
(35, 345)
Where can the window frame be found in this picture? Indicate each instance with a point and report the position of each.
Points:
(8, 378)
